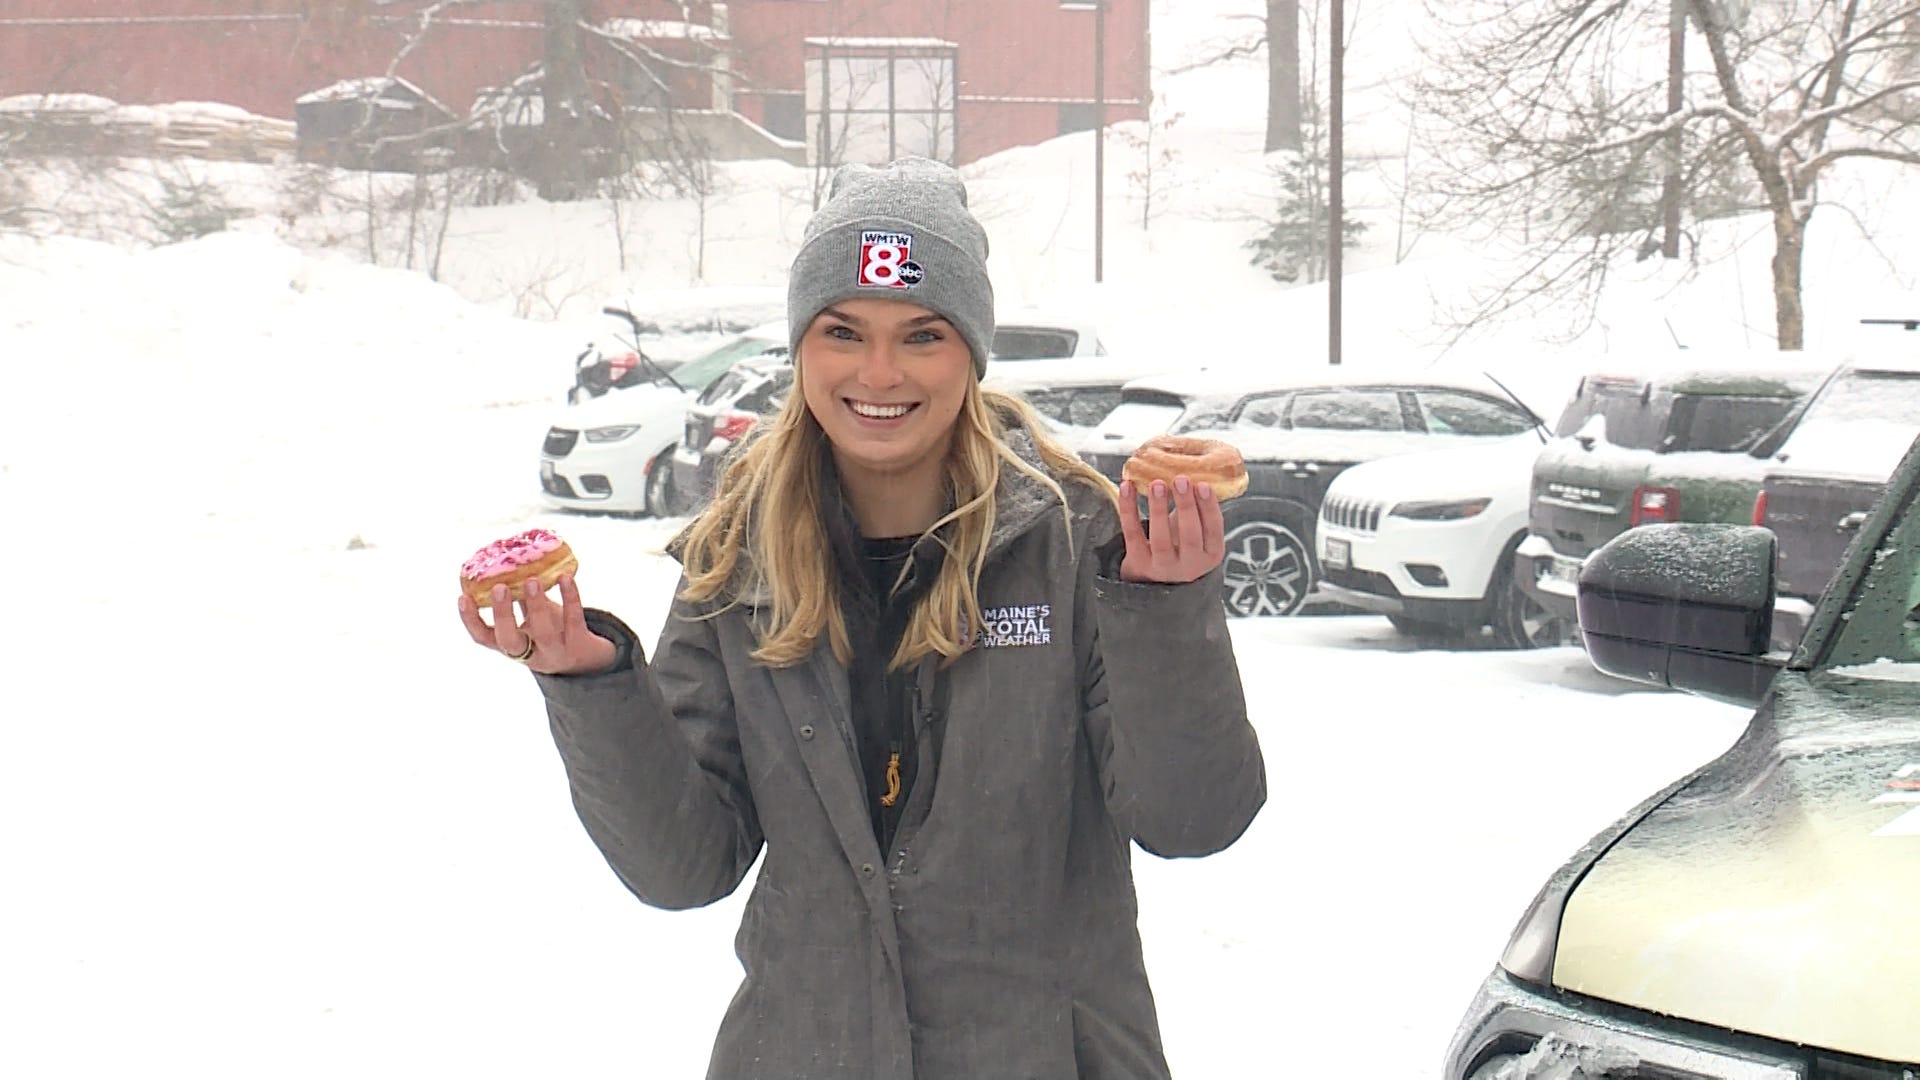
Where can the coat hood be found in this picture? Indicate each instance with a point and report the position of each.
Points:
(1775, 893)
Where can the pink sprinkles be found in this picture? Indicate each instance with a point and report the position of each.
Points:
(503, 555)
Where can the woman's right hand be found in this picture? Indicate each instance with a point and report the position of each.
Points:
(550, 638)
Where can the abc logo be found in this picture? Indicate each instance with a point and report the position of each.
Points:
(887, 266)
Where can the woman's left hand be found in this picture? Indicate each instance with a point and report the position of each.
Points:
(1175, 547)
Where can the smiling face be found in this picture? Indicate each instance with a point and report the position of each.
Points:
(885, 379)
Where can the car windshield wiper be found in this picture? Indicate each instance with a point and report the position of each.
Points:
(658, 371)
(1539, 425)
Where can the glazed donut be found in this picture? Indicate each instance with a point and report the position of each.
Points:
(535, 553)
(1202, 461)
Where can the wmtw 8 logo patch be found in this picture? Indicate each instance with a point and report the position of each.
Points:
(886, 261)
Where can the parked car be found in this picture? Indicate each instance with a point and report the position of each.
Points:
(730, 407)
(1639, 449)
(1073, 395)
(1755, 918)
(1298, 433)
(1428, 540)
(1069, 393)
(721, 418)
(1825, 473)
(1027, 334)
(612, 453)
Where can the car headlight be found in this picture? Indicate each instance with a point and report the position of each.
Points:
(1441, 510)
(611, 434)
(1530, 952)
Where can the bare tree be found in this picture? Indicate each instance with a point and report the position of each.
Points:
(1293, 244)
(1152, 177)
(1276, 36)
(1283, 75)
(1555, 112)
(675, 161)
(578, 109)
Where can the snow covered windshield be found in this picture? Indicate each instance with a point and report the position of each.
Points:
(1860, 424)
(1134, 422)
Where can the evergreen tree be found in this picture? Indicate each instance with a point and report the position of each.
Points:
(1293, 248)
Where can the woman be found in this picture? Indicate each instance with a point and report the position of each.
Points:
(918, 657)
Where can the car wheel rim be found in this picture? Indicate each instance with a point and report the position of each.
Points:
(1266, 571)
(1537, 628)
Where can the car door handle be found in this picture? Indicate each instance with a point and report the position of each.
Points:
(1852, 521)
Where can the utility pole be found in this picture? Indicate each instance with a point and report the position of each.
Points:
(1336, 165)
(1100, 138)
(1099, 9)
(1676, 99)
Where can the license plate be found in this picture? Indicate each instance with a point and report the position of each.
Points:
(1339, 554)
(546, 470)
(1565, 570)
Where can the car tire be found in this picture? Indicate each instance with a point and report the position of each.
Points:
(1270, 569)
(660, 494)
(1519, 622)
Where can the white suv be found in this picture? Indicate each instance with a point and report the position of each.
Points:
(613, 453)
(1428, 539)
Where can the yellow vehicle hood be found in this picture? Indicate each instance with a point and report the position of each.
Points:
(1779, 893)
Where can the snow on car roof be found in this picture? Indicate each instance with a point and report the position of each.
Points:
(1216, 384)
(1280, 444)
(1039, 317)
(1070, 371)
(1802, 378)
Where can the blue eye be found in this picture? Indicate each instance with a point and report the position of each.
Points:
(842, 333)
(923, 337)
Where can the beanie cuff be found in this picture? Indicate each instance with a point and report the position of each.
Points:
(885, 258)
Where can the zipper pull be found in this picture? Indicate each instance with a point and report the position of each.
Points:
(893, 780)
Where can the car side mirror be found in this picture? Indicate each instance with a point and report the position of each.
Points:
(1686, 606)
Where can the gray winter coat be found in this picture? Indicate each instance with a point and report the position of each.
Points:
(998, 940)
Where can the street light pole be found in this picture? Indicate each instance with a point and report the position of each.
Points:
(1099, 9)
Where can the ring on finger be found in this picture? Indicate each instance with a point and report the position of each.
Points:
(524, 654)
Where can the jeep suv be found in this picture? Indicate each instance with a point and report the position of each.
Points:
(1633, 451)
(1756, 917)
(1297, 432)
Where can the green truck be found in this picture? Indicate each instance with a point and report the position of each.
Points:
(1643, 449)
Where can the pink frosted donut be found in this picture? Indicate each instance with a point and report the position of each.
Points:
(535, 553)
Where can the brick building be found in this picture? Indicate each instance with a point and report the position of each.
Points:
(845, 79)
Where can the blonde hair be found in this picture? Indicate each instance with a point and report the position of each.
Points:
(779, 478)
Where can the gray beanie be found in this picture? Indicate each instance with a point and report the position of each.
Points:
(899, 231)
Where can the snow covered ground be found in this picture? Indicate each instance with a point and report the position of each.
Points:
(267, 812)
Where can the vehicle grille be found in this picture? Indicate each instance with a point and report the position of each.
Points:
(1356, 514)
(559, 442)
